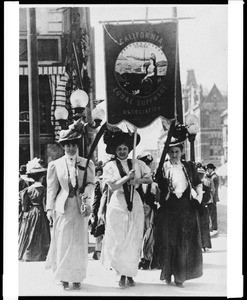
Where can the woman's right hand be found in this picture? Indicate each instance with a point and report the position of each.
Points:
(101, 217)
(131, 174)
(49, 215)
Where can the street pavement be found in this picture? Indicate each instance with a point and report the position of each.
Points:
(35, 280)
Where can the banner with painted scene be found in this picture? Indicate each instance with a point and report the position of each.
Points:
(141, 66)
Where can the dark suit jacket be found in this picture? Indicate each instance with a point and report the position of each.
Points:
(163, 182)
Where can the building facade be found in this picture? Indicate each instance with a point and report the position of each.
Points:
(208, 108)
(224, 118)
(54, 27)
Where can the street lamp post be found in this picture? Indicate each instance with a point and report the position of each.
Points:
(192, 138)
(79, 101)
(191, 122)
(61, 115)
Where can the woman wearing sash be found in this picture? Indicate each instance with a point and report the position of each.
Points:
(124, 218)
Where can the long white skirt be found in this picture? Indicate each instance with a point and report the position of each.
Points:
(68, 253)
(123, 235)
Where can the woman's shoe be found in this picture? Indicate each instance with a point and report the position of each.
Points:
(168, 280)
(65, 285)
(121, 282)
(180, 284)
(130, 281)
(76, 285)
(145, 265)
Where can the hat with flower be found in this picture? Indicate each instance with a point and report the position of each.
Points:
(34, 166)
(74, 132)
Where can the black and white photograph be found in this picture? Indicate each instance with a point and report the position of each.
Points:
(122, 122)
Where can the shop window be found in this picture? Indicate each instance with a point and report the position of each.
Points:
(45, 105)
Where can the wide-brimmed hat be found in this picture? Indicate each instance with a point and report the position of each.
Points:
(176, 142)
(34, 166)
(112, 139)
(211, 166)
(74, 132)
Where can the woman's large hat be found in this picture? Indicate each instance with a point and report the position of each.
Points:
(176, 142)
(211, 166)
(112, 139)
(74, 132)
(179, 135)
(34, 166)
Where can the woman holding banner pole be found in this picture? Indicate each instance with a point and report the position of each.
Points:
(125, 216)
(178, 237)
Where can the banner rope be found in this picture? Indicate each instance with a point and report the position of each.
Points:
(110, 35)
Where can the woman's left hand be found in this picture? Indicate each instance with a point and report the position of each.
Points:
(86, 210)
(134, 181)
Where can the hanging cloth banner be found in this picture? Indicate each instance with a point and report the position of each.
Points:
(140, 62)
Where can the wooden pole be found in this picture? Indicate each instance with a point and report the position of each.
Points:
(133, 164)
(146, 13)
(165, 150)
(174, 15)
(33, 84)
(144, 20)
(177, 93)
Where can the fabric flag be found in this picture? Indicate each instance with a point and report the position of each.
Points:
(140, 63)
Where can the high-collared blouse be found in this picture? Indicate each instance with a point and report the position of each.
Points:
(175, 174)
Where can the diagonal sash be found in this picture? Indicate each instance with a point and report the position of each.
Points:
(126, 186)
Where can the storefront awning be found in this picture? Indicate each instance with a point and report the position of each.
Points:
(44, 70)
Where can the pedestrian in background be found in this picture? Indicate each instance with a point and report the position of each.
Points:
(178, 247)
(211, 174)
(124, 218)
(207, 186)
(147, 193)
(93, 220)
(22, 185)
(22, 182)
(69, 210)
(34, 230)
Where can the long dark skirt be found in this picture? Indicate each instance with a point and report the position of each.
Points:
(34, 235)
(178, 247)
(205, 228)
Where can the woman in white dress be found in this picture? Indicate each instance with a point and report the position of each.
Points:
(124, 218)
(68, 253)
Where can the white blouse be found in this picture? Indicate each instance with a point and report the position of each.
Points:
(73, 171)
(176, 174)
(111, 173)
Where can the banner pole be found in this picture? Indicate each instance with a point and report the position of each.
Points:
(174, 15)
(133, 163)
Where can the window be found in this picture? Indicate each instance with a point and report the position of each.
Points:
(45, 105)
(49, 49)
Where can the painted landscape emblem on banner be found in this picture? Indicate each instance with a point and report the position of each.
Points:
(140, 68)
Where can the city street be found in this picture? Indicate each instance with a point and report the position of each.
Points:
(34, 280)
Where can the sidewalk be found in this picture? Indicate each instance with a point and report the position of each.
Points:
(34, 280)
